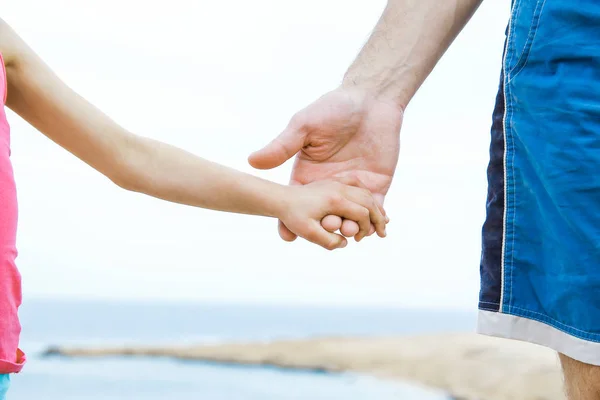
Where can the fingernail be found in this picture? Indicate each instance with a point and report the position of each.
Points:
(344, 244)
(387, 219)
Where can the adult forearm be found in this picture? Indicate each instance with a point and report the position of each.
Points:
(408, 41)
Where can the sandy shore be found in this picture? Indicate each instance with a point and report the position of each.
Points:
(467, 366)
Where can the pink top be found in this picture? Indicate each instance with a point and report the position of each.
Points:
(11, 358)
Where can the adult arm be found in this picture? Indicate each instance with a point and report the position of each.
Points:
(354, 130)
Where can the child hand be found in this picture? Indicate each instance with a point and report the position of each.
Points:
(305, 207)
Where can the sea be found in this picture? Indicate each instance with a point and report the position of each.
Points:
(95, 323)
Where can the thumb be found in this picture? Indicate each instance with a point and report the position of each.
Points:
(285, 233)
(281, 149)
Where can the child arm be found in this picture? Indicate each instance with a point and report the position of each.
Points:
(163, 171)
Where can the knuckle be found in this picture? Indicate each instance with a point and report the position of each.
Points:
(365, 213)
(335, 200)
(376, 210)
(372, 201)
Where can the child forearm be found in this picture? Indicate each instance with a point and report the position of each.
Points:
(136, 163)
(172, 174)
(169, 173)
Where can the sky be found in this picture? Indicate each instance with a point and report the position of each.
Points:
(221, 79)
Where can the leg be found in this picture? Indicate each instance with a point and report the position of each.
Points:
(582, 381)
(4, 384)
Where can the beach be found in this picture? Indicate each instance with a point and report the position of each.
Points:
(150, 325)
(464, 365)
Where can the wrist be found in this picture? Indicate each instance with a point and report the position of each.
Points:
(378, 90)
(368, 99)
(279, 199)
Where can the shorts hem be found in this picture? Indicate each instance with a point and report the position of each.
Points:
(525, 329)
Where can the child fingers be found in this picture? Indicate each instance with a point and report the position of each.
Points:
(354, 181)
(356, 212)
(371, 230)
(285, 233)
(365, 199)
(350, 228)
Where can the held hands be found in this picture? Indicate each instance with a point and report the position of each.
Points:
(346, 134)
(305, 207)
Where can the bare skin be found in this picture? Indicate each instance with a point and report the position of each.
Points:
(582, 381)
(354, 130)
(157, 169)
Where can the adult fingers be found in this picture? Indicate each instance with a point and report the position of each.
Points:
(327, 240)
(332, 223)
(281, 149)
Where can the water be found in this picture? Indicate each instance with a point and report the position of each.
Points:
(97, 323)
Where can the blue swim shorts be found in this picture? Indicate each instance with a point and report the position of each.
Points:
(4, 384)
(540, 264)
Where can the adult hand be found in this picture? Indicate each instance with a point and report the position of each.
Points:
(345, 134)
